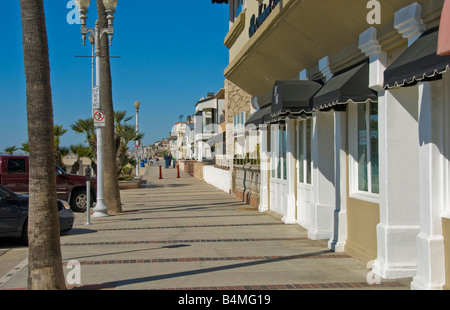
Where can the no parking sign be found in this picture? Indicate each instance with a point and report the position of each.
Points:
(99, 118)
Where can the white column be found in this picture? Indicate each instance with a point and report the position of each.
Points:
(289, 218)
(265, 169)
(322, 153)
(398, 162)
(430, 242)
(399, 184)
(339, 232)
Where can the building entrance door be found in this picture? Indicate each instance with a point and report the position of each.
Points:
(304, 173)
(278, 174)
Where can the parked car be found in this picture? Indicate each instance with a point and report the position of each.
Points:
(14, 215)
(14, 174)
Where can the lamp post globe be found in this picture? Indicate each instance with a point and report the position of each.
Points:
(137, 104)
(82, 4)
(110, 5)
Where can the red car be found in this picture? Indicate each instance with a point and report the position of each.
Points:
(14, 173)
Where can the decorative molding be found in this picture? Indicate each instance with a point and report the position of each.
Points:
(235, 30)
(368, 44)
(324, 67)
(408, 21)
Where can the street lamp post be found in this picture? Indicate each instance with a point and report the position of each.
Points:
(95, 36)
(137, 104)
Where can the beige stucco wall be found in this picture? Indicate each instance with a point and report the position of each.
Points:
(362, 219)
(446, 234)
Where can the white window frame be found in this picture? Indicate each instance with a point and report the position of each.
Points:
(353, 133)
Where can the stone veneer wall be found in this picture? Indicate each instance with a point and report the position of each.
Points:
(236, 101)
(246, 182)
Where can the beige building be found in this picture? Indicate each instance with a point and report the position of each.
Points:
(347, 150)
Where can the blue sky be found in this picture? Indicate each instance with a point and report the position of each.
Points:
(172, 54)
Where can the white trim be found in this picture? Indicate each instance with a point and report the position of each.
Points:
(354, 191)
(446, 146)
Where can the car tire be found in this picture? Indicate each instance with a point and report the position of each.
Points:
(78, 201)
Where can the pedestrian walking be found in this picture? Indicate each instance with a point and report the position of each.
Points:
(166, 161)
(170, 159)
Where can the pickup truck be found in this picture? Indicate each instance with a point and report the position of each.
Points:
(14, 172)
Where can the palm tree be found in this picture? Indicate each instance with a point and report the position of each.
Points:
(45, 270)
(10, 150)
(25, 147)
(111, 181)
(86, 127)
(119, 119)
(127, 134)
(80, 151)
(58, 132)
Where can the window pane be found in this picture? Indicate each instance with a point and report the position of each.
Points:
(279, 154)
(16, 166)
(301, 152)
(308, 150)
(284, 153)
(362, 148)
(274, 157)
(374, 147)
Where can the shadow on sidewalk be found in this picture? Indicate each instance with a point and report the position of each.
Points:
(145, 184)
(116, 284)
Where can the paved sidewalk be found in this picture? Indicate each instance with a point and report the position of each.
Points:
(181, 233)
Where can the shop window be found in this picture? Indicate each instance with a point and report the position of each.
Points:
(239, 121)
(304, 151)
(363, 145)
(279, 165)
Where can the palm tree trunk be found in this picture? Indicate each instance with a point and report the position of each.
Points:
(111, 181)
(44, 259)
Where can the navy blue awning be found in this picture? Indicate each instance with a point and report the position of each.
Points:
(259, 116)
(292, 99)
(419, 62)
(351, 84)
